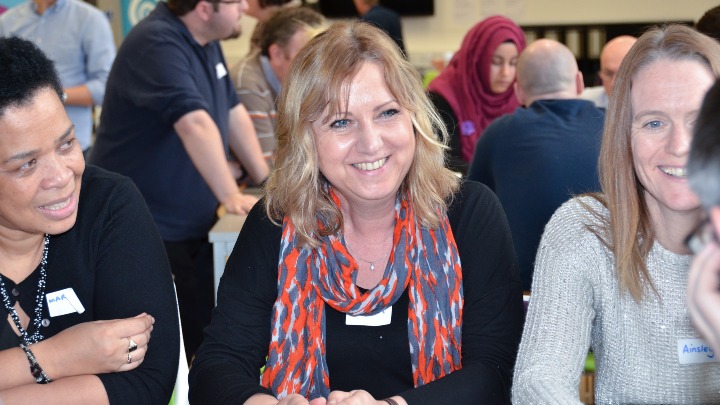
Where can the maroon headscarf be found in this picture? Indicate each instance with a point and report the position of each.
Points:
(465, 82)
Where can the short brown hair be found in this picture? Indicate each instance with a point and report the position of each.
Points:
(295, 188)
(284, 23)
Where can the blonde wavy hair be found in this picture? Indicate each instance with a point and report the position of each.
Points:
(315, 83)
(628, 231)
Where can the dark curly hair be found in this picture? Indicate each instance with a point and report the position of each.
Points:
(25, 71)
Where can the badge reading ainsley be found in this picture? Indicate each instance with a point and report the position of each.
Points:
(64, 302)
(380, 319)
(220, 70)
(695, 351)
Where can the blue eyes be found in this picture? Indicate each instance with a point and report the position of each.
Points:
(390, 113)
(339, 124)
(655, 124)
(345, 122)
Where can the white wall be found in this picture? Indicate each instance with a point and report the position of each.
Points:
(431, 36)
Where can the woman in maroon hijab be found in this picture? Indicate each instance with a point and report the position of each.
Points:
(477, 86)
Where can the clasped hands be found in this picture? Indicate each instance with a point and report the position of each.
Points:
(355, 397)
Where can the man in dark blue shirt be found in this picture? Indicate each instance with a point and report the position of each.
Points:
(170, 112)
(537, 157)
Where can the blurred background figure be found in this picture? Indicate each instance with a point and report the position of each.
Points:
(610, 58)
(259, 76)
(703, 172)
(611, 270)
(709, 23)
(78, 38)
(382, 17)
(262, 10)
(477, 85)
(170, 120)
(537, 157)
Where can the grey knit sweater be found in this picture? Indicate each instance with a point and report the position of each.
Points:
(576, 303)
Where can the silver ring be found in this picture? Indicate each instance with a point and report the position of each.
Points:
(129, 359)
(132, 346)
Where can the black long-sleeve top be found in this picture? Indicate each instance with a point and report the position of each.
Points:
(373, 358)
(115, 262)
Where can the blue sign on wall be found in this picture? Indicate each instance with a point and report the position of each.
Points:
(133, 11)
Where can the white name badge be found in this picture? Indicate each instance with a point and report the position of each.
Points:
(380, 319)
(695, 351)
(64, 302)
(220, 70)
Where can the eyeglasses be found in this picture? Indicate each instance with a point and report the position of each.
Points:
(701, 236)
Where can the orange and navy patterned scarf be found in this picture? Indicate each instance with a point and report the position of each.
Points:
(424, 260)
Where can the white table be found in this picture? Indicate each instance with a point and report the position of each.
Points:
(223, 236)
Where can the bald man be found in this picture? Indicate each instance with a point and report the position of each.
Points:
(610, 58)
(537, 157)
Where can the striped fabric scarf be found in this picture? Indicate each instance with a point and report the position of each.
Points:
(424, 260)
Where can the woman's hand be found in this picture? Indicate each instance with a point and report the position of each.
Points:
(95, 347)
(292, 399)
(297, 399)
(703, 294)
(356, 397)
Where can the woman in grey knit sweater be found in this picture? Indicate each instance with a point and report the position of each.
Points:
(611, 270)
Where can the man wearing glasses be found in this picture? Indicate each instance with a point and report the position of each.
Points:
(703, 169)
(170, 119)
(610, 58)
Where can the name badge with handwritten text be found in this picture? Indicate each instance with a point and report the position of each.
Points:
(64, 302)
(695, 351)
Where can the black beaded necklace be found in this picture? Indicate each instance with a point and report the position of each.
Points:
(36, 336)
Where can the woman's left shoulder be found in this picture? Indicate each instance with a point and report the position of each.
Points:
(477, 219)
(472, 196)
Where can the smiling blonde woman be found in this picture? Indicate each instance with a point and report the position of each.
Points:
(370, 273)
